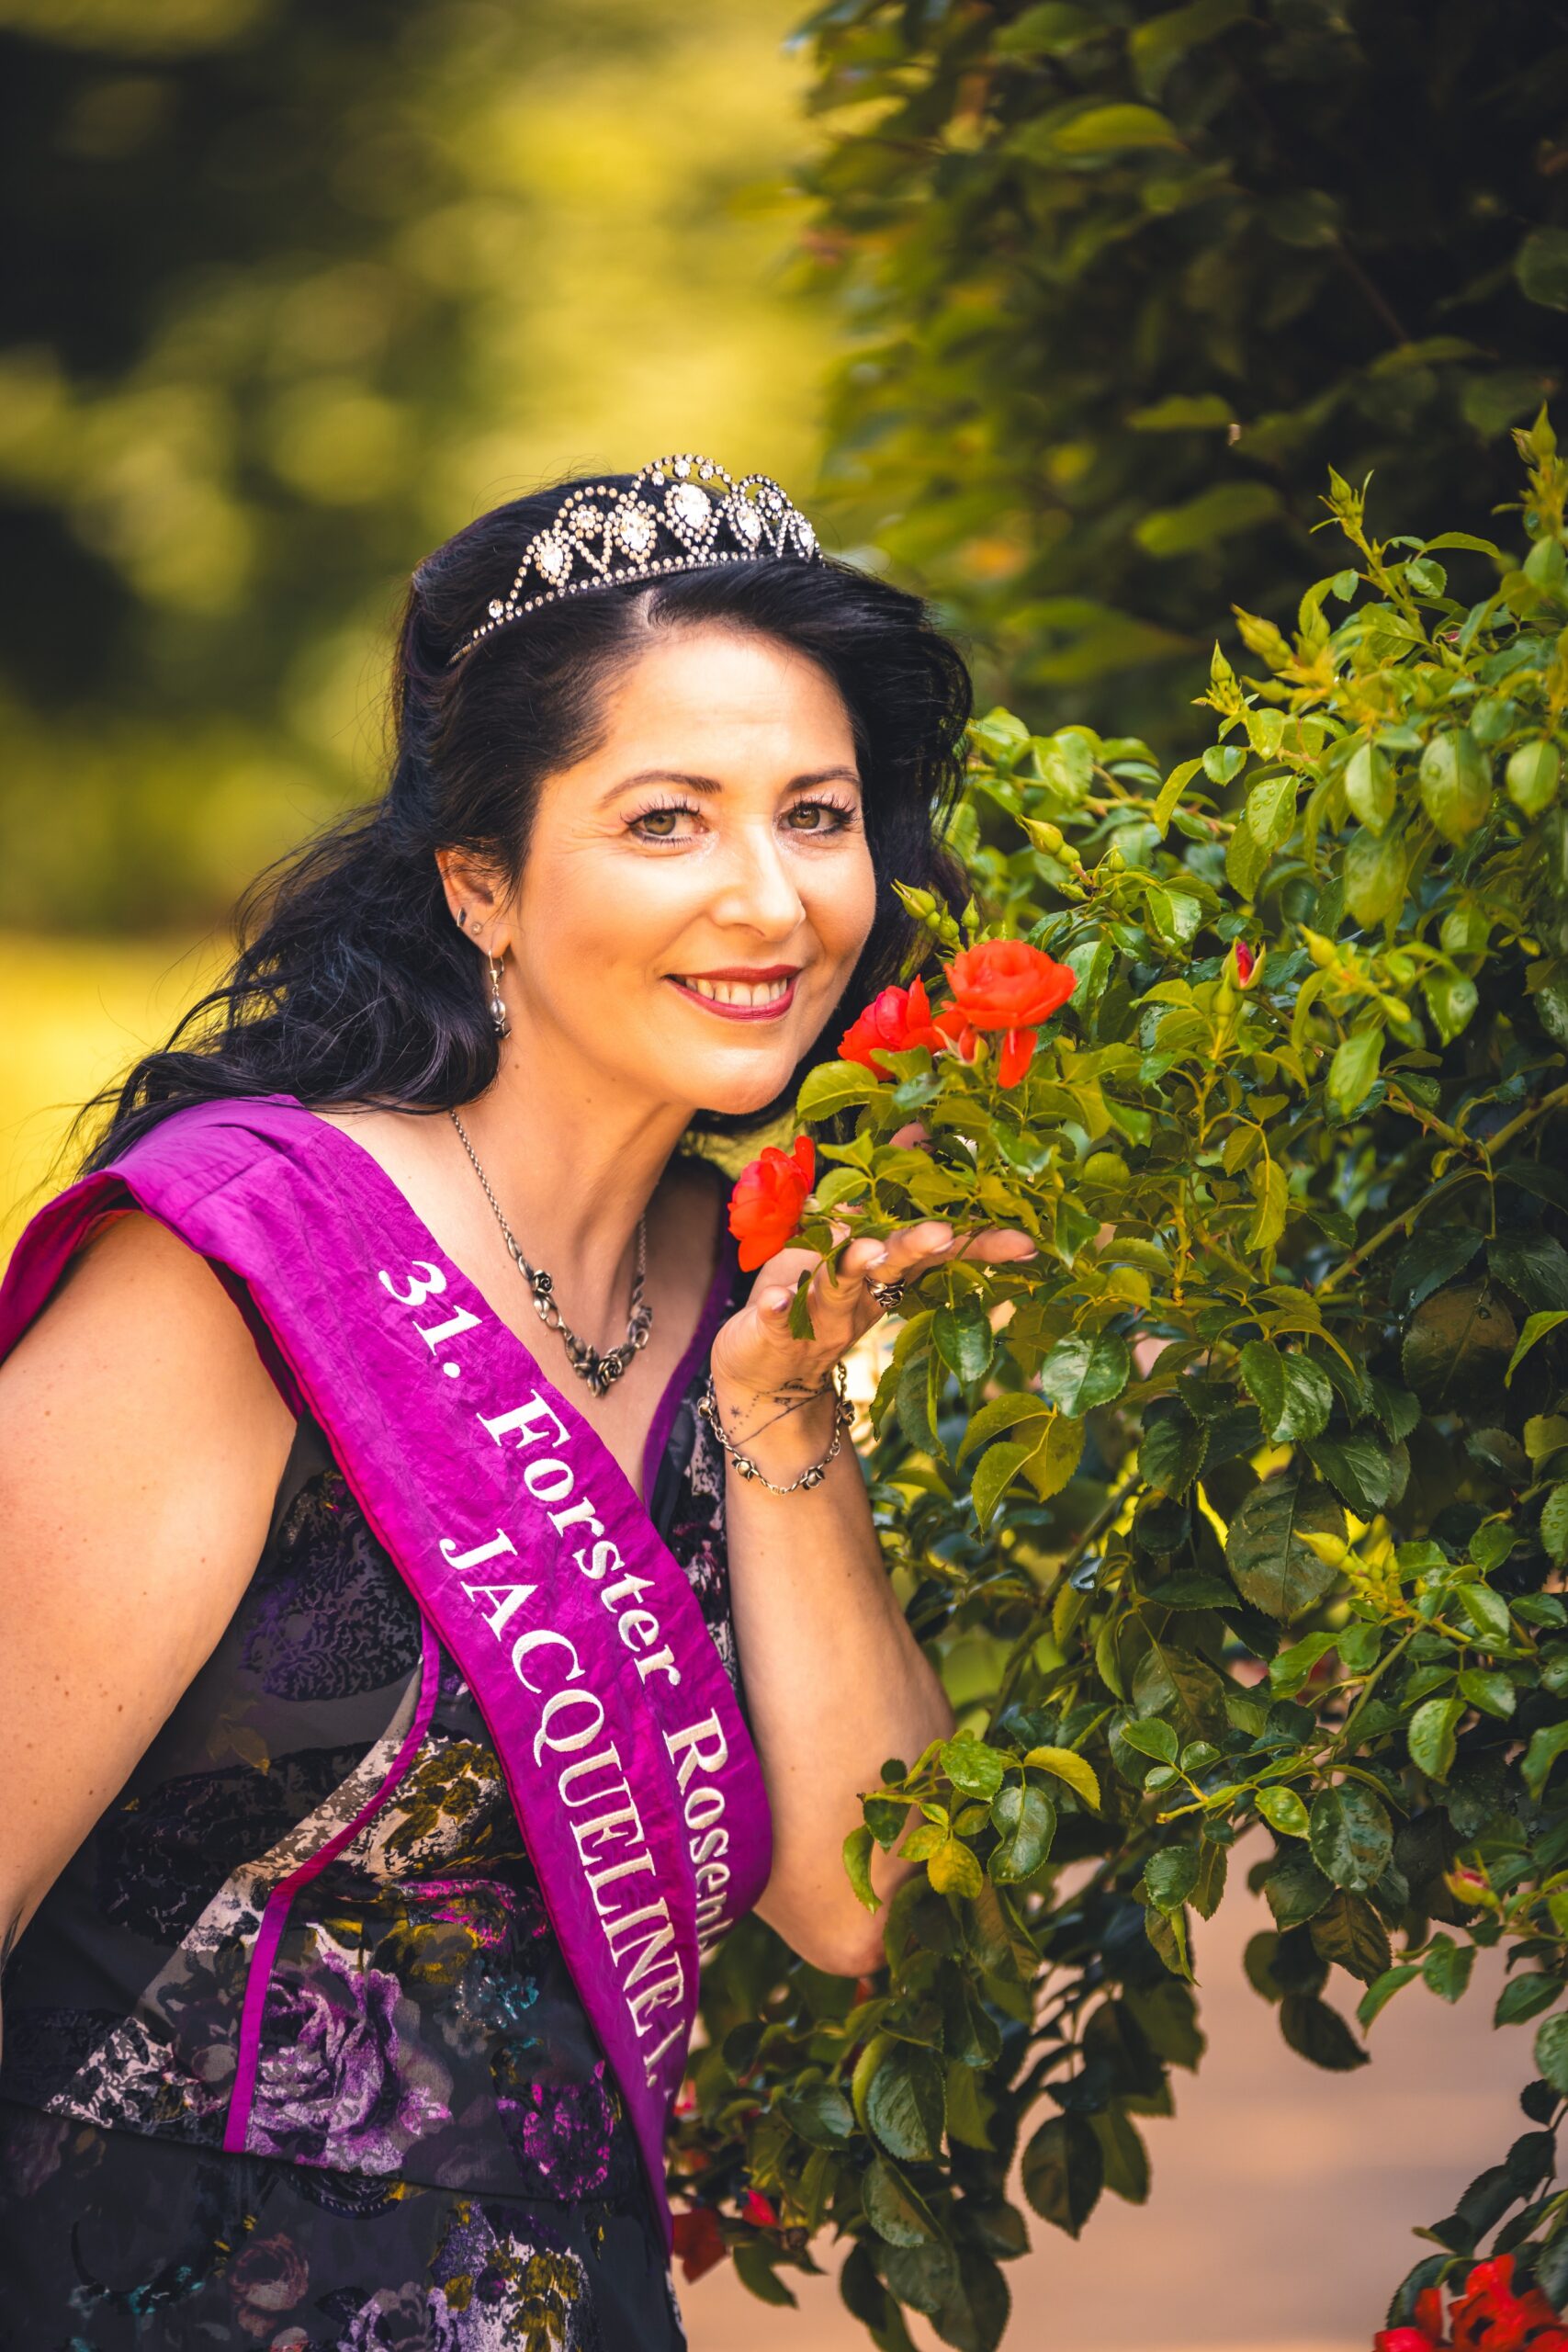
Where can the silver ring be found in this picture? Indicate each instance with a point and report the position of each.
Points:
(886, 1294)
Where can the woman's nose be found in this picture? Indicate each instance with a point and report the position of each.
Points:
(758, 888)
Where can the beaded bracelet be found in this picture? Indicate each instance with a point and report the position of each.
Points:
(843, 1414)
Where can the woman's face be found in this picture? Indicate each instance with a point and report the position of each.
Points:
(698, 892)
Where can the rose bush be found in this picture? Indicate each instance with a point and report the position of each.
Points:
(1237, 1520)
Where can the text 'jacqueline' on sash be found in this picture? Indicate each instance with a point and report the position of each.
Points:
(570, 1744)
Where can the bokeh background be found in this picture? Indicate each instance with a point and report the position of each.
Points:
(293, 291)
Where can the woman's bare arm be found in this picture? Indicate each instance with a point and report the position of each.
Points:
(142, 1441)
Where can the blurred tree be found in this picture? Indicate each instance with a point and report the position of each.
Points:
(290, 293)
(1123, 279)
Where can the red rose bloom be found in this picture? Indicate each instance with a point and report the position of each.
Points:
(1489, 2316)
(699, 2241)
(759, 2211)
(1403, 2339)
(765, 1206)
(1245, 962)
(891, 1023)
(1004, 984)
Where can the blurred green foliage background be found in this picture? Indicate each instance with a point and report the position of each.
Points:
(292, 292)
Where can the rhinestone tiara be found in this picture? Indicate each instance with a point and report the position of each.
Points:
(600, 535)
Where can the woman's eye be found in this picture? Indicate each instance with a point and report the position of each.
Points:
(824, 816)
(658, 824)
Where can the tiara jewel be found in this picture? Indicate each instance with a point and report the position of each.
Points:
(600, 535)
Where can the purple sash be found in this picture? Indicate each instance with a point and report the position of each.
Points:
(624, 1753)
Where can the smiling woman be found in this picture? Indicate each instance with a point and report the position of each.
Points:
(397, 1731)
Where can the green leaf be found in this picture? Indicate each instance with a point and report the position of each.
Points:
(1540, 266)
(1383, 1989)
(1271, 811)
(1491, 1692)
(1456, 784)
(896, 2211)
(1002, 1413)
(1063, 2172)
(1053, 1457)
(905, 2103)
(1170, 1876)
(1554, 1526)
(857, 1862)
(1026, 1821)
(1269, 1551)
(1126, 2159)
(832, 1087)
(1319, 2034)
(1524, 1996)
(1457, 1345)
(1051, 29)
(1283, 1810)
(1534, 1267)
(1109, 130)
(1171, 1450)
(997, 1466)
(1170, 792)
(820, 2114)
(1545, 1747)
(1081, 1372)
(1152, 1739)
(754, 2268)
(1531, 777)
(1293, 1667)
(1535, 1327)
(971, 1766)
(1155, 46)
(1551, 2053)
(1291, 1391)
(1070, 1768)
(1348, 1933)
(1353, 1072)
(1374, 877)
(1296, 1888)
(1427, 1260)
(953, 1869)
(1447, 1967)
(1358, 1468)
(1431, 1736)
(1272, 1189)
(1369, 787)
(1351, 1835)
(1486, 1610)
(965, 1340)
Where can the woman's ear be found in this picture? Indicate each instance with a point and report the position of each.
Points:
(476, 899)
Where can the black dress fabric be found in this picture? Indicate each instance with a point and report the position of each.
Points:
(425, 2151)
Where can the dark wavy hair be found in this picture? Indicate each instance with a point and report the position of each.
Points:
(351, 982)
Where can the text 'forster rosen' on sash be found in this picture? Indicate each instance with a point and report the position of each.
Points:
(569, 1743)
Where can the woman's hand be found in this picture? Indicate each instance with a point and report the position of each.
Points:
(773, 1391)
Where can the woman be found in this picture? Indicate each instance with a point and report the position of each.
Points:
(409, 1660)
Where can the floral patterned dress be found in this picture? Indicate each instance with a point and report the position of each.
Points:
(428, 2154)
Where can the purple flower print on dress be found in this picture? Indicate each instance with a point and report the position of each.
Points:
(334, 2085)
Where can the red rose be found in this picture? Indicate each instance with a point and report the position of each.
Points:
(955, 1032)
(1245, 962)
(267, 2279)
(1006, 984)
(764, 1207)
(891, 1023)
(1403, 2339)
(1489, 2317)
(699, 2241)
(759, 2211)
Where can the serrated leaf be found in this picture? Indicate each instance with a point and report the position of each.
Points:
(996, 1468)
(1353, 1072)
(1026, 1821)
(1081, 1372)
(1069, 1767)
(905, 2103)
(1351, 1835)
(832, 1087)
(965, 1340)
(1319, 2034)
(857, 1862)
(893, 2207)
(1349, 1933)
(1063, 2172)
(1291, 1391)
(1283, 1810)
(1431, 1736)
(1268, 1551)
(1383, 1989)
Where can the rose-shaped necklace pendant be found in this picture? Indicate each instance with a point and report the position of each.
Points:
(600, 1370)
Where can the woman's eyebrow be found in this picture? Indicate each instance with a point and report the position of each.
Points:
(708, 784)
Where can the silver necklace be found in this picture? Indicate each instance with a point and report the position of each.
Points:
(600, 1370)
